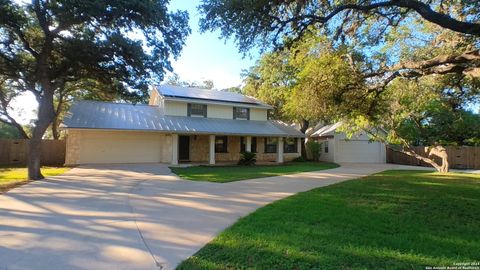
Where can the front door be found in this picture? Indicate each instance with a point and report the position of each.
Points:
(184, 148)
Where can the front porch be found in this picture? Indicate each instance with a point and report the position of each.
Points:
(226, 150)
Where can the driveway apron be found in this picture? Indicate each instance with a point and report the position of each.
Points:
(134, 216)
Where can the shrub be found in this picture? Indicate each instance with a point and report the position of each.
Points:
(313, 147)
(247, 159)
(299, 159)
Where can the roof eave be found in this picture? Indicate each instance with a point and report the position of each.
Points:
(218, 102)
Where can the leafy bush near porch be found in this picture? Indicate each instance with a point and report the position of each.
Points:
(313, 147)
(247, 159)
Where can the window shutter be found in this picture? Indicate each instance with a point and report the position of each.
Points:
(204, 110)
(234, 113)
(189, 109)
(248, 113)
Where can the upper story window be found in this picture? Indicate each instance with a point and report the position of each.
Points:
(241, 113)
(197, 110)
(290, 145)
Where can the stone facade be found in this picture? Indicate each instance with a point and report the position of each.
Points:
(199, 150)
(72, 154)
(199, 145)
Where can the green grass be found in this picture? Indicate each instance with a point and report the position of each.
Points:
(391, 220)
(223, 174)
(10, 177)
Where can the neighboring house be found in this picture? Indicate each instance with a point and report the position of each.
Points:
(178, 125)
(337, 147)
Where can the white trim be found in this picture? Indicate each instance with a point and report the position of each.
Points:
(225, 103)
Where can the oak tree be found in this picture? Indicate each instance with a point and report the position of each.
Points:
(119, 47)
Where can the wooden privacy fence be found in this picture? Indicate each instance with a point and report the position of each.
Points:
(459, 157)
(15, 152)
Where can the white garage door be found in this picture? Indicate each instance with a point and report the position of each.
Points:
(360, 151)
(122, 147)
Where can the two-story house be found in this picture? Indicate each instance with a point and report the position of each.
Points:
(178, 125)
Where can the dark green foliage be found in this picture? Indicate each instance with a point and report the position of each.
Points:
(104, 49)
(247, 159)
(265, 23)
(443, 125)
(314, 147)
(391, 220)
(223, 174)
(9, 132)
(299, 159)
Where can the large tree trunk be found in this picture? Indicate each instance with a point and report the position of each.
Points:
(304, 124)
(46, 115)
(437, 150)
(55, 131)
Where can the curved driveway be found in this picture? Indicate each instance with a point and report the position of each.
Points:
(134, 216)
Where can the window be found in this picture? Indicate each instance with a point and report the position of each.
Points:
(270, 145)
(243, 142)
(241, 113)
(290, 145)
(197, 110)
(325, 147)
(221, 143)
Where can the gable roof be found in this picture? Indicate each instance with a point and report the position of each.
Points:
(122, 116)
(188, 93)
(327, 130)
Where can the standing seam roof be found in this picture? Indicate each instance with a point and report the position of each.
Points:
(122, 116)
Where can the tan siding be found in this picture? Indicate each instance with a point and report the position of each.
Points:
(175, 108)
(258, 114)
(154, 98)
(218, 111)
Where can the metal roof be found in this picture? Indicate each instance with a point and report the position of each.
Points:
(326, 130)
(122, 116)
(206, 94)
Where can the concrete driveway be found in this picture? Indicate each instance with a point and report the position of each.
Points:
(134, 216)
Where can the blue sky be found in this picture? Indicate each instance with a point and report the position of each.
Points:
(204, 57)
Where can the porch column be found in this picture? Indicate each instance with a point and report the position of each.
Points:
(280, 150)
(174, 149)
(248, 144)
(299, 145)
(211, 153)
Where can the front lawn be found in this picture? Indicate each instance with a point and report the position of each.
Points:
(391, 220)
(223, 174)
(10, 177)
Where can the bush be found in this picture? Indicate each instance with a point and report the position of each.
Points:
(247, 159)
(299, 159)
(313, 147)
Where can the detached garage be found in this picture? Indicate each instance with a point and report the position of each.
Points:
(336, 147)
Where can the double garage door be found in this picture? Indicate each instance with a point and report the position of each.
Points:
(360, 151)
(123, 147)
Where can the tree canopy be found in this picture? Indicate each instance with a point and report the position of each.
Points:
(51, 48)
(363, 24)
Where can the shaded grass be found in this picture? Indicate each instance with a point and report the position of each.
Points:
(12, 177)
(223, 174)
(390, 220)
